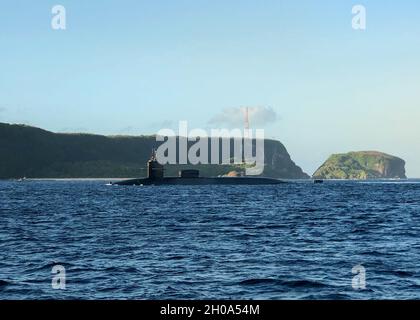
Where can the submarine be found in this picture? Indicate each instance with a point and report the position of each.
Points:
(155, 176)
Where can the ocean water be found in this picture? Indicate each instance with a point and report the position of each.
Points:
(292, 241)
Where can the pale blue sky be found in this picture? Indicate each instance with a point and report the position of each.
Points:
(127, 67)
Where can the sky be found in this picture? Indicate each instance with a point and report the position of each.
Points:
(134, 67)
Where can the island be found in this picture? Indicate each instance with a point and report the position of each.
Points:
(362, 165)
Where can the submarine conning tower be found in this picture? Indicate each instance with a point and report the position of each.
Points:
(154, 168)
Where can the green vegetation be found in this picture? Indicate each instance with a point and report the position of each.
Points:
(362, 165)
(36, 153)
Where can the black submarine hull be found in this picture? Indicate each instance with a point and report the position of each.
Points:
(199, 181)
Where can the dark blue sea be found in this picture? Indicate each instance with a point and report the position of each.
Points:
(291, 241)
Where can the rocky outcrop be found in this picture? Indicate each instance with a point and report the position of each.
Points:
(278, 162)
(362, 165)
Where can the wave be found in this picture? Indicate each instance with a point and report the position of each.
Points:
(288, 283)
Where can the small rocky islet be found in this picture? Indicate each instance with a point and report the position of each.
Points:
(362, 165)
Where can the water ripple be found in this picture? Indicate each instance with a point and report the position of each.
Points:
(293, 241)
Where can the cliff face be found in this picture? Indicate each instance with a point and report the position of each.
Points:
(362, 165)
(36, 153)
(278, 162)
